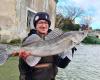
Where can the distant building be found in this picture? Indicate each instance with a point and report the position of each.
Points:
(15, 15)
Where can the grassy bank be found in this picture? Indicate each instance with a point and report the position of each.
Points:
(91, 40)
(9, 71)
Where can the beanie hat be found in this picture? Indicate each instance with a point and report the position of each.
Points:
(41, 16)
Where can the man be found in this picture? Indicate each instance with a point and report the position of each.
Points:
(46, 68)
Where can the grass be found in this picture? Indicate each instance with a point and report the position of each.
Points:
(9, 71)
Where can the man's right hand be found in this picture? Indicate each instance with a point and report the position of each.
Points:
(24, 54)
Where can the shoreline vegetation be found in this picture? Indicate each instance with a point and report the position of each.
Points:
(15, 42)
(91, 40)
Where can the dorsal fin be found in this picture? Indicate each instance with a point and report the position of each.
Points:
(31, 39)
(53, 34)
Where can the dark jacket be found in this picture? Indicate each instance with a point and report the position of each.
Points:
(49, 73)
(31, 73)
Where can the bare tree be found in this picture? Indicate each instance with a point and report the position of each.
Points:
(59, 21)
(86, 20)
(73, 12)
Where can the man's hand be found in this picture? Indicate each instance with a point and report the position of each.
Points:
(24, 54)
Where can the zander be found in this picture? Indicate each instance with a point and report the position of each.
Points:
(54, 43)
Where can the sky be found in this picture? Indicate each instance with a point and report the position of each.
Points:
(91, 8)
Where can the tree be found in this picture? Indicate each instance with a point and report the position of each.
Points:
(59, 21)
(76, 26)
(86, 20)
(73, 12)
(67, 21)
(56, 1)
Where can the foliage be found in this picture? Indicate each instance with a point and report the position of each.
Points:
(59, 21)
(91, 40)
(15, 41)
(97, 30)
(56, 1)
(12, 42)
(76, 26)
(71, 27)
(65, 23)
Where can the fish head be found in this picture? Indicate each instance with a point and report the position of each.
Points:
(78, 36)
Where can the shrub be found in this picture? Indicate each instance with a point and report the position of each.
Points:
(15, 41)
(91, 40)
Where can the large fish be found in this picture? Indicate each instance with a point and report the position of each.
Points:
(54, 43)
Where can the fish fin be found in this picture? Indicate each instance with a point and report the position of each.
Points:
(31, 39)
(53, 34)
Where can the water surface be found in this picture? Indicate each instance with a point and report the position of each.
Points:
(84, 66)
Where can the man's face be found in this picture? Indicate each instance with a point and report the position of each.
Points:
(42, 26)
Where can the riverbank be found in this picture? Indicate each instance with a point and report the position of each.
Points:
(91, 40)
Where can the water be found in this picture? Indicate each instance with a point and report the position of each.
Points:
(84, 66)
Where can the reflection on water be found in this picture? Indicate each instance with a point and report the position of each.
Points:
(84, 66)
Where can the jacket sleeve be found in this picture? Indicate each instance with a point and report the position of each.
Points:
(65, 58)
